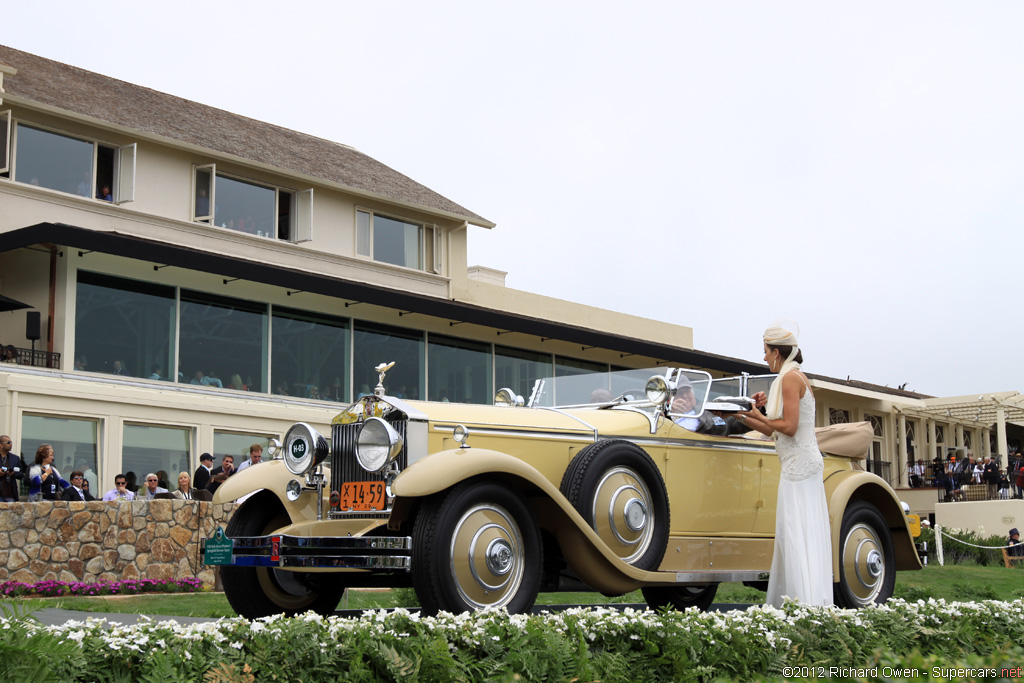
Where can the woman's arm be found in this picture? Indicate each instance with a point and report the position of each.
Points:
(787, 424)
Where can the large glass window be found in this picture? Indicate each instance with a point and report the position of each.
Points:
(237, 444)
(459, 370)
(55, 161)
(124, 327)
(245, 207)
(518, 370)
(222, 342)
(309, 355)
(164, 451)
(566, 367)
(376, 344)
(395, 241)
(75, 445)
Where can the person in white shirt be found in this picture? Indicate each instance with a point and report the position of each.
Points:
(120, 491)
(255, 457)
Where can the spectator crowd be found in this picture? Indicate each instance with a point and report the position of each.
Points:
(43, 481)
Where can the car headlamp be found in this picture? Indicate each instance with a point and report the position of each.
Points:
(657, 390)
(304, 448)
(377, 444)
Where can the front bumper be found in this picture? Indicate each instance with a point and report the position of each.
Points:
(312, 552)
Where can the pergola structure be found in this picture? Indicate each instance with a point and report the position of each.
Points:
(981, 411)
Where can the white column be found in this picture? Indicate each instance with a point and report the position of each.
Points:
(987, 447)
(901, 459)
(959, 435)
(931, 442)
(1001, 433)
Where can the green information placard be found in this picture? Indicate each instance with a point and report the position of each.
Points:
(219, 549)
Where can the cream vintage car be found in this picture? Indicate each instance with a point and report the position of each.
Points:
(591, 483)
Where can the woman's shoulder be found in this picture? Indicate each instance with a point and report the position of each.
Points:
(797, 379)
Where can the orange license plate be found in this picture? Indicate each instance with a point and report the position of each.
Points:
(364, 496)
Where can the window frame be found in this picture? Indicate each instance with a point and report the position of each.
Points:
(430, 259)
(124, 173)
(300, 215)
(123, 155)
(5, 123)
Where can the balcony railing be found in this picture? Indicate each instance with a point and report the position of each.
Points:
(33, 357)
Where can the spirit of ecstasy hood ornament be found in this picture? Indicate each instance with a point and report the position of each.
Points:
(381, 371)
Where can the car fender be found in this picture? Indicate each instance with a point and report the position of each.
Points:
(271, 476)
(845, 487)
(583, 549)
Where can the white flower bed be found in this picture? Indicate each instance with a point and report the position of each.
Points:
(593, 643)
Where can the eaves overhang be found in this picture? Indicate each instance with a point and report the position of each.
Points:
(164, 253)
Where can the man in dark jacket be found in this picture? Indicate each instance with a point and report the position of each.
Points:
(1016, 548)
(221, 474)
(990, 475)
(12, 471)
(75, 492)
(202, 475)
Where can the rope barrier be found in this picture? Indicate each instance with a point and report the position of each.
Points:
(938, 544)
(938, 532)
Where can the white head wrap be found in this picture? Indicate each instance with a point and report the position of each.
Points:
(781, 333)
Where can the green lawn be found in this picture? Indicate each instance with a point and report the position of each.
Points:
(952, 582)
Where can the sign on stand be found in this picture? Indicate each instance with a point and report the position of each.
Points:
(219, 549)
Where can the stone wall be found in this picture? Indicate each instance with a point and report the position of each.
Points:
(97, 541)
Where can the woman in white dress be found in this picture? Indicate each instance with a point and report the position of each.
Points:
(802, 562)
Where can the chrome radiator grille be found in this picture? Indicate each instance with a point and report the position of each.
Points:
(344, 467)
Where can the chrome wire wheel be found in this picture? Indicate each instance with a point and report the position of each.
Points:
(623, 513)
(486, 556)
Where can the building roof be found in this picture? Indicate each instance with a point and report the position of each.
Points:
(867, 386)
(93, 95)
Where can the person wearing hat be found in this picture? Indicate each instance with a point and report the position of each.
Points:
(684, 405)
(1016, 548)
(202, 475)
(802, 559)
(715, 423)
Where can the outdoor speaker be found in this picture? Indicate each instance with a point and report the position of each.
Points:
(32, 325)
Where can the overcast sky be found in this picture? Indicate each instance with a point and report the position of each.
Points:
(856, 167)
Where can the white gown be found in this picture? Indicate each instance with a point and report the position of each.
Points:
(802, 562)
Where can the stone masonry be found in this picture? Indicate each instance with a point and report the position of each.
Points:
(97, 541)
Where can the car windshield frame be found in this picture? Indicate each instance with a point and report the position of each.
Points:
(607, 390)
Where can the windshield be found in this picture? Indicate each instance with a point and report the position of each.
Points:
(620, 387)
(743, 385)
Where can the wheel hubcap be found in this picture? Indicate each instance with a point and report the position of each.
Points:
(635, 514)
(499, 557)
(622, 513)
(487, 559)
(863, 563)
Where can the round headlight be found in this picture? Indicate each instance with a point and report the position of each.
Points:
(304, 448)
(507, 397)
(293, 490)
(377, 444)
(657, 390)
